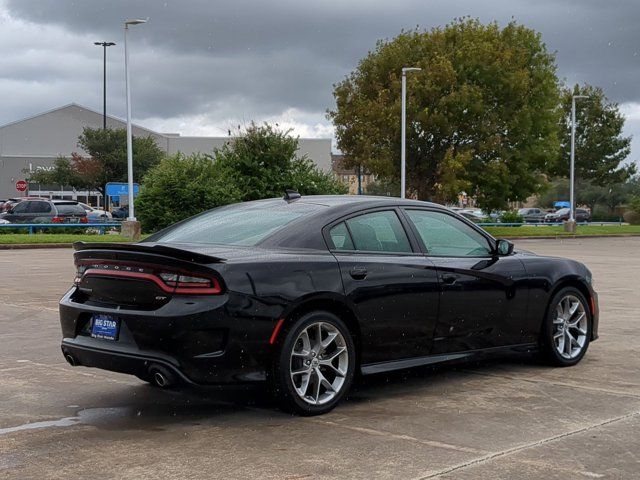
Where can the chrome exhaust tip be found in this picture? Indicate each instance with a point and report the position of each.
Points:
(161, 377)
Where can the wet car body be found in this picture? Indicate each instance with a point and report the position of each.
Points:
(402, 309)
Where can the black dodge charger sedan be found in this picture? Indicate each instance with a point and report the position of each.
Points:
(306, 292)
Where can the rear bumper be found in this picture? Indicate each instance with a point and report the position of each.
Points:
(200, 340)
(132, 363)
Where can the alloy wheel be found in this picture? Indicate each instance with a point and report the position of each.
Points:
(570, 327)
(319, 363)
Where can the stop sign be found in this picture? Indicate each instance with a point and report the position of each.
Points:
(21, 186)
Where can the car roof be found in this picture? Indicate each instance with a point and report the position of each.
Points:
(304, 232)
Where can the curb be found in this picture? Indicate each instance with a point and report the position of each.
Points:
(572, 237)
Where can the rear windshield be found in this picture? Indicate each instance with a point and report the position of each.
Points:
(243, 224)
(70, 209)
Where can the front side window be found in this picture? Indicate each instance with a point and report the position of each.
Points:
(445, 235)
(379, 232)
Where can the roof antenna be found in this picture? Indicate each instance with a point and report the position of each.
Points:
(290, 195)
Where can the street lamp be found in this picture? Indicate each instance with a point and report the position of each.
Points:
(104, 46)
(403, 154)
(572, 208)
(132, 217)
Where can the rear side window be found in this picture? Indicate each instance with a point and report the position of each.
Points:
(379, 232)
(340, 238)
(70, 209)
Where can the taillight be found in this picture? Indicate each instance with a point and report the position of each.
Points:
(188, 284)
(57, 220)
(84, 220)
(170, 282)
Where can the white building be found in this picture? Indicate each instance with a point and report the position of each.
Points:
(37, 141)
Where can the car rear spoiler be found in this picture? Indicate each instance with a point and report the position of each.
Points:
(177, 253)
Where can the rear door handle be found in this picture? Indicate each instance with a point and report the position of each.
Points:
(358, 273)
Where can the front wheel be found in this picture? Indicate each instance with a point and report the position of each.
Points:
(315, 365)
(567, 328)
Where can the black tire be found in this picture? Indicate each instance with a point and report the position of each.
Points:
(548, 347)
(281, 382)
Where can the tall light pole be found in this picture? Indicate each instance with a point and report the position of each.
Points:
(132, 217)
(403, 153)
(104, 46)
(572, 207)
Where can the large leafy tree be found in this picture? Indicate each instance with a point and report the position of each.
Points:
(600, 147)
(482, 114)
(106, 160)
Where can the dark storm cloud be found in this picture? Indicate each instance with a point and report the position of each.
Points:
(256, 58)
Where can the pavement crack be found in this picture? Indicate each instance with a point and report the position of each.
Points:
(396, 436)
(556, 383)
(519, 448)
(27, 305)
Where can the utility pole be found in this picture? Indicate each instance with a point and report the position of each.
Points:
(104, 46)
(403, 152)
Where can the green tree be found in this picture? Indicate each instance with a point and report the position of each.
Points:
(482, 114)
(180, 187)
(600, 147)
(260, 163)
(106, 160)
(263, 161)
(61, 173)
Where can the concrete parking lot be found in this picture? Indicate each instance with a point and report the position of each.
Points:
(508, 418)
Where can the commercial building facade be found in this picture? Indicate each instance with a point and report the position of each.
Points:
(35, 142)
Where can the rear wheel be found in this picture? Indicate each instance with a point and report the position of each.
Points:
(567, 328)
(315, 365)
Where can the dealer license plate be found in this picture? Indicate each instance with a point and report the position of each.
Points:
(104, 326)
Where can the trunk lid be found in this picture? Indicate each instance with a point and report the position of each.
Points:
(141, 277)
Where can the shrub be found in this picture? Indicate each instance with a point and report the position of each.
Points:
(261, 163)
(511, 217)
(264, 161)
(180, 187)
(632, 215)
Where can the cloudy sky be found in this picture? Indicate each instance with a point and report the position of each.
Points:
(201, 66)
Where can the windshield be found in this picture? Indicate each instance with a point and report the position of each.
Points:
(243, 224)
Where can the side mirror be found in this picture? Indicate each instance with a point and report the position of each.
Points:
(504, 247)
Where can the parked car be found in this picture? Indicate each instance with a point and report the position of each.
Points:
(120, 213)
(304, 292)
(475, 215)
(95, 215)
(11, 202)
(45, 211)
(532, 215)
(562, 215)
